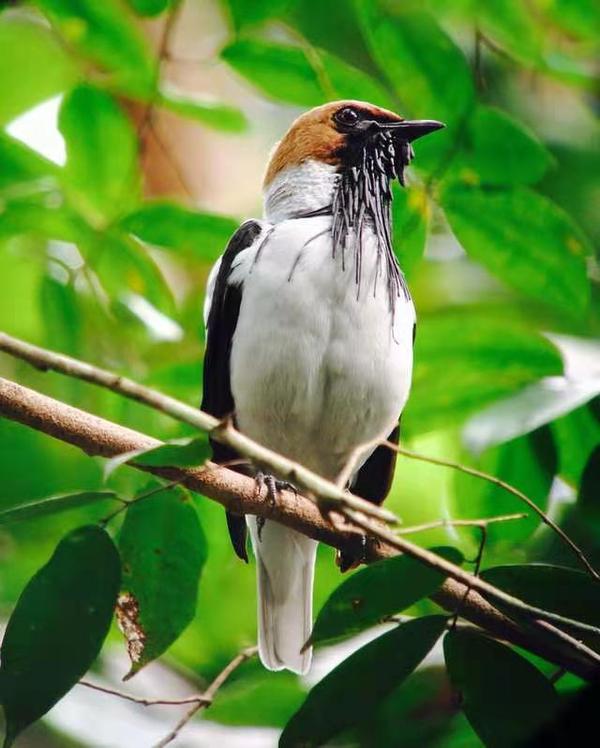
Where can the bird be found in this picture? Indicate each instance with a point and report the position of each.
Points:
(310, 330)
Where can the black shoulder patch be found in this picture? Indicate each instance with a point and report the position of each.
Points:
(217, 398)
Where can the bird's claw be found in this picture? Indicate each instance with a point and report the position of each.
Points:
(274, 487)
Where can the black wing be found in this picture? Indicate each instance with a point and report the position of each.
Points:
(217, 398)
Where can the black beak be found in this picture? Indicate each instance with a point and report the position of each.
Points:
(410, 130)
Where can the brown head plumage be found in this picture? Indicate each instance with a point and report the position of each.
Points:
(327, 133)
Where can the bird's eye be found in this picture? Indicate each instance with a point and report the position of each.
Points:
(347, 117)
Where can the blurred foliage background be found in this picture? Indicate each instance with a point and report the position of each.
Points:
(134, 139)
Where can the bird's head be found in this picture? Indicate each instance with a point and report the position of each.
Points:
(341, 132)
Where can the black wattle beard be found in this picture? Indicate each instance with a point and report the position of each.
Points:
(363, 196)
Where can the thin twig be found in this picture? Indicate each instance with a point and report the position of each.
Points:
(209, 694)
(196, 699)
(506, 487)
(126, 503)
(460, 523)
(222, 431)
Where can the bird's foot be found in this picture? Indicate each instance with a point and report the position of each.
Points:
(274, 487)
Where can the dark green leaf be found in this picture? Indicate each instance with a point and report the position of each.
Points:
(466, 360)
(163, 550)
(576, 435)
(33, 66)
(107, 34)
(505, 698)
(101, 174)
(525, 240)
(149, 7)
(52, 505)
(289, 74)
(168, 225)
(589, 491)
(499, 151)
(58, 626)
(569, 592)
(190, 453)
(356, 687)
(211, 113)
(410, 218)
(379, 590)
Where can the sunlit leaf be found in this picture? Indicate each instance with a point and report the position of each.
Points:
(107, 34)
(168, 225)
(33, 66)
(525, 240)
(163, 550)
(209, 112)
(505, 698)
(427, 70)
(377, 591)
(291, 74)
(464, 361)
(497, 150)
(19, 165)
(58, 626)
(101, 174)
(52, 505)
(356, 687)
(569, 592)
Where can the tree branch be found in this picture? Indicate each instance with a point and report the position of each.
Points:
(222, 431)
(236, 492)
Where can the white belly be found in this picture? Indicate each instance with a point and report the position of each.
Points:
(315, 371)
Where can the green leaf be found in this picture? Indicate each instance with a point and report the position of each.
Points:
(125, 267)
(207, 111)
(569, 592)
(481, 358)
(244, 14)
(33, 66)
(101, 175)
(576, 435)
(427, 70)
(525, 240)
(377, 591)
(163, 550)
(169, 225)
(149, 7)
(53, 505)
(57, 628)
(356, 687)
(589, 493)
(20, 164)
(190, 453)
(506, 699)
(410, 219)
(497, 150)
(106, 33)
(294, 75)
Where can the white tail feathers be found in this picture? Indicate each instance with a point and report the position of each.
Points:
(285, 571)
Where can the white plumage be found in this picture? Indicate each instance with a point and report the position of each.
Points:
(317, 370)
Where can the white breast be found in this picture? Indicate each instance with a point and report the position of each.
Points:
(317, 370)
